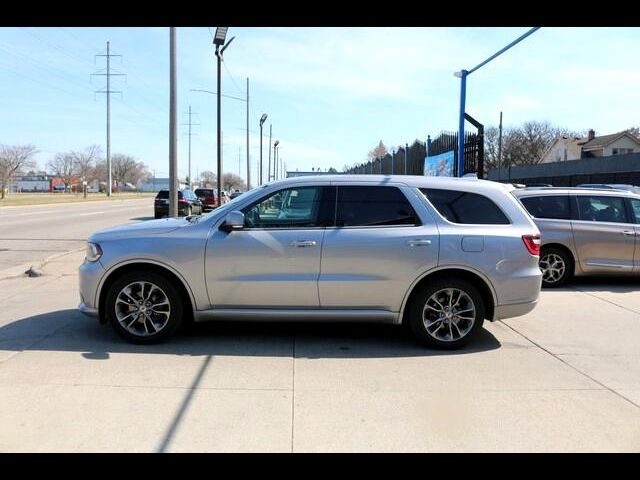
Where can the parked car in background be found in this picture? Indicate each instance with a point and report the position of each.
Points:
(537, 185)
(585, 231)
(234, 194)
(612, 186)
(208, 198)
(438, 254)
(188, 204)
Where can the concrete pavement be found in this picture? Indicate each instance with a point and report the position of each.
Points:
(562, 378)
(29, 234)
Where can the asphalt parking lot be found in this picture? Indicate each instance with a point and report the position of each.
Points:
(565, 377)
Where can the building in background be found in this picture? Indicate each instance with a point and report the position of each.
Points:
(565, 148)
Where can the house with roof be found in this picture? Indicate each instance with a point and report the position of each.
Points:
(566, 148)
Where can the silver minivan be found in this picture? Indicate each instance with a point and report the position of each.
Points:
(584, 231)
(438, 254)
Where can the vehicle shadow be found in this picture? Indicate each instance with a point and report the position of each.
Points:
(601, 283)
(141, 219)
(70, 331)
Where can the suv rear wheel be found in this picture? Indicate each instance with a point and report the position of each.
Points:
(447, 313)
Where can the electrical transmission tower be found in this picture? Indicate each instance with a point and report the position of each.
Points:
(190, 124)
(108, 73)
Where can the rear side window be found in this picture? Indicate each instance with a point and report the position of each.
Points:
(201, 192)
(465, 207)
(601, 208)
(370, 206)
(548, 206)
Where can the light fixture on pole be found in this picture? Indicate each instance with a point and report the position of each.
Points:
(219, 41)
(462, 75)
(262, 120)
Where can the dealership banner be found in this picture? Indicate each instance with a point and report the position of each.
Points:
(439, 165)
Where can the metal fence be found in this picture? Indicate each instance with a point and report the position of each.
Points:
(409, 160)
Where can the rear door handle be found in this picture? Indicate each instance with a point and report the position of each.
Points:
(628, 232)
(303, 243)
(418, 243)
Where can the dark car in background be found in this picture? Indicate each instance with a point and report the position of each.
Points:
(208, 198)
(235, 194)
(188, 204)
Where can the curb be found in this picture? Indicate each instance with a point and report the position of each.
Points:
(20, 270)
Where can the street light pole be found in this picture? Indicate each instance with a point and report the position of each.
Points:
(262, 120)
(219, 41)
(463, 74)
(275, 159)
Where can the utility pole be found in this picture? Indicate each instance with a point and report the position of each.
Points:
(190, 124)
(500, 147)
(173, 141)
(248, 165)
(269, 169)
(108, 92)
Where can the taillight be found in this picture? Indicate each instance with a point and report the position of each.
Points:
(532, 242)
(182, 202)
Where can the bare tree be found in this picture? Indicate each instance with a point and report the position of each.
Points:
(62, 165)
(635, 131)
(126, 169)
(13, 159)
(85, 161)
(231, 181)
(208, 177)
(378, 152)
(522, 145)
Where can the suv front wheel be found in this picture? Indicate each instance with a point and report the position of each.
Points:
(143, 307)
(447, 313)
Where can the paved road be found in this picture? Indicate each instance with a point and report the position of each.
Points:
(30, 234)
(565, 377)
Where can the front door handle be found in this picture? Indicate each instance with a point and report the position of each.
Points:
(418, 243)
(303, 243)
(628, 232)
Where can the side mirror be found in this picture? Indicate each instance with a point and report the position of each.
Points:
(233, 221)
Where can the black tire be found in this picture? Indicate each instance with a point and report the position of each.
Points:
(557, 255)
(468, 327)
(173, 297)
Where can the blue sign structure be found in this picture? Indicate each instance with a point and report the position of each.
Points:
(439, 165)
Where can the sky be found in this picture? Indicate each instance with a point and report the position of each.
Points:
(331, 94)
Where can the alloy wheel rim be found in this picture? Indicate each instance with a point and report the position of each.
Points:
(142, 308)
(552, 267)
(449, 314)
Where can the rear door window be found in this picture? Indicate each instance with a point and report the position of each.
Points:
(465, 207)
(548, 206)
(595, 208)
(371, 206)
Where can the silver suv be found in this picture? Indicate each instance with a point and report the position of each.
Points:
(438, 254)
(584, 231)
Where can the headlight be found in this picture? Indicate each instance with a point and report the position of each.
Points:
(94, 252)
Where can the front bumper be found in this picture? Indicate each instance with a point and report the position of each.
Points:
(89, 312)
